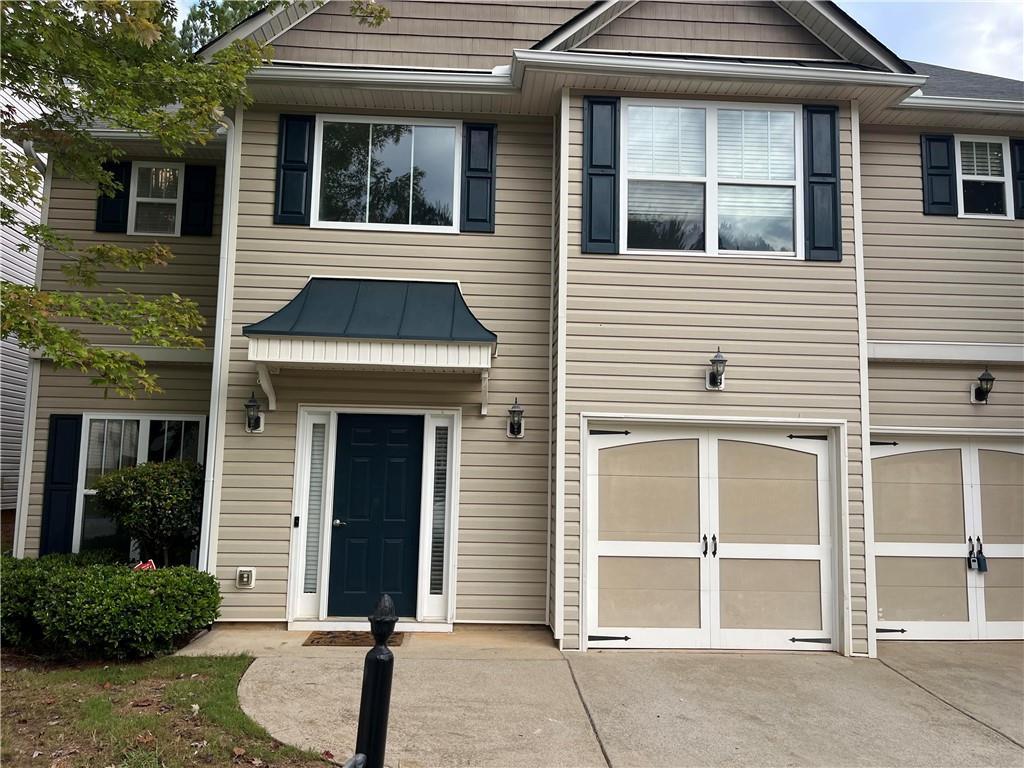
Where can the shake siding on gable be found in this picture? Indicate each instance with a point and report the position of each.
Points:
(426, 33)
(641, 330)
(933, 278)
(734, 28)
(505, 277)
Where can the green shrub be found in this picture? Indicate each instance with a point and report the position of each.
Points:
(54, 605)
(159, 504)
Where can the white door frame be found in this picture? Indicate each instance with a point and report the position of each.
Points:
(836, 509)
(433, 612)
(968, 443)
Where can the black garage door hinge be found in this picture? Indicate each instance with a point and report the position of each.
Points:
(807, 437)
(609, 431)
(885, 630)
(893, 443)
(606, 637)
(810, 640)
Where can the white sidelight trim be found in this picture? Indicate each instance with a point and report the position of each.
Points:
(308, 610)
(222, 347)
(558, 630)
(863, 353)
(941, 351)
(455, 356)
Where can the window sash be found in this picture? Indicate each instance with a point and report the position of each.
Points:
(1004, 180)
(142, 436)
(712, 180)
(134, 199)
(317, 222)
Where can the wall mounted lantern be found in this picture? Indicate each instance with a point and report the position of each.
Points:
(516, 429)
(715, 378)
(253, 415)
(980, 392)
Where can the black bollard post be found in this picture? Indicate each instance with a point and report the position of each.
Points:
(371, 739)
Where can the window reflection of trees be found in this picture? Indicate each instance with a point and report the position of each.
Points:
(353, 162)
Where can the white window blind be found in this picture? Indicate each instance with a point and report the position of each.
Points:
(666, 141)
(440, 505)
(314, 508)
(981, 158)
(756, 145)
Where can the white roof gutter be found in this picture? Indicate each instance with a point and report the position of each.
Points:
(961, 104)
(557, 61)
(497, 81)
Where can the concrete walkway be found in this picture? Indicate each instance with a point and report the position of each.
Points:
(506, 697)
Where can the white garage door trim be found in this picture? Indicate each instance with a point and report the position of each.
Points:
(833, 552)
(976, 626)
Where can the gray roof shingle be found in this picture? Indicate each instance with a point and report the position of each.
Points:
(958, 83)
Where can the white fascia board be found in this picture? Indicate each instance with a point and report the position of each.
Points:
(883, 55)
(943, 352)
(354, 77)
(572, 62)
(611, 9)
(959, 104)
(363, 353)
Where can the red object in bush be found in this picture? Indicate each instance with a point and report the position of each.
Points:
(149, 565)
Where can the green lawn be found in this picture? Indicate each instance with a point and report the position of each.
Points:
(174, 711)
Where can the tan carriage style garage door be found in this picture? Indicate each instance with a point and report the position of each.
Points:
(936, 503)
(699, 538)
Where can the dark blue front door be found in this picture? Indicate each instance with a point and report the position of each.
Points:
(376, 526)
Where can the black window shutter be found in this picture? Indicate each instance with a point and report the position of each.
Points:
(1017, 176)
(479, 173)
(60, 487)
(197, 206)
(938, 174)
(112, 212)
(600, 174)
(823, 235)
(294, 169)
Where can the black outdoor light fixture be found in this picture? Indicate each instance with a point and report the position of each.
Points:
(515, 429)
(979, 393)
(715, 378)
(253, 415)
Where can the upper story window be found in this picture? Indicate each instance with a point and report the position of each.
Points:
(376, 173)
(719, 179)
(983, 176)
(157, 191)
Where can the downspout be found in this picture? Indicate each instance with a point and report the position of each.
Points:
(221, 346)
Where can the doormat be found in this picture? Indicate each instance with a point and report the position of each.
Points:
(358, 639)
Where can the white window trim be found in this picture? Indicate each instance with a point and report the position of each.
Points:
(316, 223)
(133, 198)
(433, 612)
(1004, 179)
(144, 419)
(710, 179)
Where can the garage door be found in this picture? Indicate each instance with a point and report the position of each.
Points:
(707, 539)
(934, 504)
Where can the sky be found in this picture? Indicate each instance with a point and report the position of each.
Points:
(978, 35)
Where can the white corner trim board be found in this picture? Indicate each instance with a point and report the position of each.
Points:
(938, 351)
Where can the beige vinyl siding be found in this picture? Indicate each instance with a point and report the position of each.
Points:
(736, 28)
(641, 330)
(192, 272)
(937, 395)
(186, 389)
(425, 33)
(933, 278)
(505, 277)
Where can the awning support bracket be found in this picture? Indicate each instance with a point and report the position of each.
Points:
(263, 378)
(485, 378)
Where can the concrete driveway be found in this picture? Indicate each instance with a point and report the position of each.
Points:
(485, 697)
